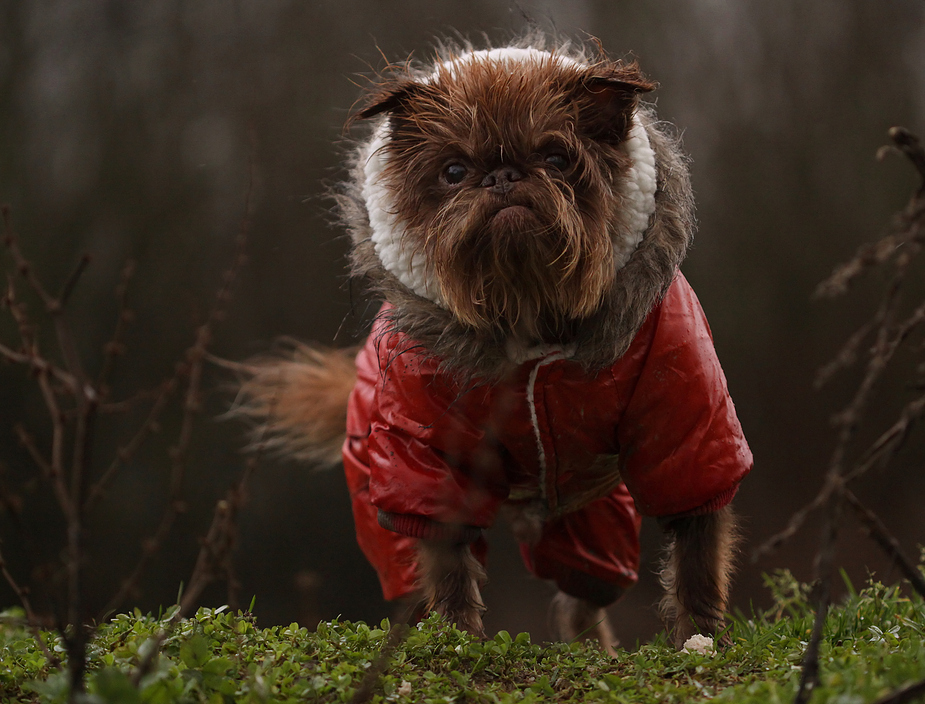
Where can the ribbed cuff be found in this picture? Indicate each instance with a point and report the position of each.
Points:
(425, 528)
(712, 506)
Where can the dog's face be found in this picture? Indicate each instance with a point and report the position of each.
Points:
(507, 175)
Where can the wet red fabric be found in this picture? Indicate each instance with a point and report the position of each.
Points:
(424, 451)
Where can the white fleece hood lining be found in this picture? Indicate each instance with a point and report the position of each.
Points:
(636, 191)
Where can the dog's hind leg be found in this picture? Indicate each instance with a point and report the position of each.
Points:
(572, 618)
(450, 579)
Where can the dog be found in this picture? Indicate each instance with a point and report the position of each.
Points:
(538, 354)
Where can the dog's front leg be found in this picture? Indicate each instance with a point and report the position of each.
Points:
(696, 573)
(450, 579)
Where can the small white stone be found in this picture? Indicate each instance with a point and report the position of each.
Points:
(699, 644)
(405, 688)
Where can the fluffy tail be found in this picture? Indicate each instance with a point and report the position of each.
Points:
(298, 401)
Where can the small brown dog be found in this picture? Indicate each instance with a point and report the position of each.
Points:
(538, 353)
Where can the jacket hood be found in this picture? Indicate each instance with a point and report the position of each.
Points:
(650, 242)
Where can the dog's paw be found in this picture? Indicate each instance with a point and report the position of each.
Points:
(469, 622)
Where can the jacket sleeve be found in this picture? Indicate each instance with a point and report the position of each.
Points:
(421, 442)
(682, 447)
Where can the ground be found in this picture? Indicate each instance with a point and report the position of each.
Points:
(874, 644)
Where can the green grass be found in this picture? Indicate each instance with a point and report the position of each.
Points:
(873, 645)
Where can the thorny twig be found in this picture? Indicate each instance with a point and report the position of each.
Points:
(848, 420)
(900, 247)
(38, 364)
(75, 634)
(12, 504)
(127, 451)
(213, 560)
(193, 368)
(911, 226)
(32, 620)
(885, 540)
(910, 145)
(883, 449)
(115, 348)
(72, 280)
(909, 693)
(73, 421)
(126, 404)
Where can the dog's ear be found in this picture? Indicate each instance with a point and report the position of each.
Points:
(393, 96)
(607, 96)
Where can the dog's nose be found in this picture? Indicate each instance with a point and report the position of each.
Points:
(502, 179)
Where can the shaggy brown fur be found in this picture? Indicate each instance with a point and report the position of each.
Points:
(506, 184)
(696, 572)
(299, 401)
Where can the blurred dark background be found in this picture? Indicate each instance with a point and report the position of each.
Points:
(125, 133)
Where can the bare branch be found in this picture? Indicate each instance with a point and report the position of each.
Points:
(127, 404)
(883, 538)
(28, 442)
(867, 257)
(54, 306)
(848, 422)
(793, 525)
(39, 365)
(127, 451)
(48, 469)
(911, 146)
(846, 356)
(909, 693)
(879, 453)
(214, 559)
(901, 246)
(75, 634)
(72, 280)
(114, 348)
(175, 504)
(73, 402)
(888, 444)
(22, 593)
(218, 545)
(906, 240)
(149, 549)
(22, 264)
(193, 370)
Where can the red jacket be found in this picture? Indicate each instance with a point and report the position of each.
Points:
(426, 457)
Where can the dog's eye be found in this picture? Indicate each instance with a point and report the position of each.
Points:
(557, 161)
(455, 173)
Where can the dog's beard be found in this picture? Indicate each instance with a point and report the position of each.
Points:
(529, 263)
